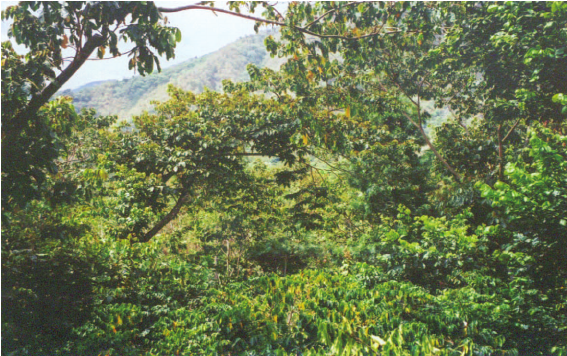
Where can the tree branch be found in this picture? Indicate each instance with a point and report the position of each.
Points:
(271, 22)
(216, 9)
(119, 55)
(184, 196)
(329, 164)
(422, 131)
(434, 149)
(281, 18)
(326, 13)
(458, 118)
(19, 121)
(512, 129)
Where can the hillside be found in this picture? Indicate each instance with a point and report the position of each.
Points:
(133, 95)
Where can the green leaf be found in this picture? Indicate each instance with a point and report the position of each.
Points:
(493, 8)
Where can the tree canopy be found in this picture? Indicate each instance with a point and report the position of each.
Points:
(397, 187)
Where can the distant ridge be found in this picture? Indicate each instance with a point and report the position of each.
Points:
(131, 96)
(92, 84)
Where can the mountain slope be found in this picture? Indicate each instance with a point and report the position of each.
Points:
(131, 96)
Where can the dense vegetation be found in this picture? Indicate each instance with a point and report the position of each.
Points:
(308, 211)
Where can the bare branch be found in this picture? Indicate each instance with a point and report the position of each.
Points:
(277, 23)
(216, 9)
(512, 129)
(104, 59)
(329, 164)
(327, 13)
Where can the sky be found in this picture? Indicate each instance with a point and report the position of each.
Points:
(202, 32)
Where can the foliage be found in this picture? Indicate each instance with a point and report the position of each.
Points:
(521, 59)
(186, 153)
(75, 23)
(309, 211)
(46, 289)
(31, 156)
(28, 82)
(530, 209)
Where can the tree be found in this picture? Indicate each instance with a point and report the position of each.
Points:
(429, 52)
(517, 51)
(191, 148)
(28, 82)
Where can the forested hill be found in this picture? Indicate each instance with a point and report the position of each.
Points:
(131, 96)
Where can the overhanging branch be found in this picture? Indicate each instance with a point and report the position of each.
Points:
(18, 122)
(276, 23)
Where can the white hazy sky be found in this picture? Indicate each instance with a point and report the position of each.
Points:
(202, 33)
